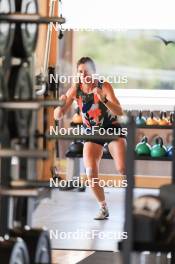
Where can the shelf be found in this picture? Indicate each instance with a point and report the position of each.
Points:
(108, 156)
(137, 157)
(154, 127)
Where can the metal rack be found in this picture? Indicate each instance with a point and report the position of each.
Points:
(128, 245)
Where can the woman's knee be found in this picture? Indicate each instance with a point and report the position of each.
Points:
(91, 172)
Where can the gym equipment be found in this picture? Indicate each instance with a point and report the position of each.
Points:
(29, 105)
(6, 29)
(167, 193)
(24, 153)
(41, 89)
(20, 88)
(151, 121)
(75, 149)
(3, 96)
(140, 119)
(148, 205)
(165, 242)
(77, 118)
(158, 150)
(147, 217)
(13, 251)
(163, 121)
(25, 34)
(38, 244)
(171, 119)
(170, 151)
(143, 148)
(19, 18)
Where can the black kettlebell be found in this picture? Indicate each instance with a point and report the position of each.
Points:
(75, 149)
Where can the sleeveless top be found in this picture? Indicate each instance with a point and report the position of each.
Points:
(94, 112)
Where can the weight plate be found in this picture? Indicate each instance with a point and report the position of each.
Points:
(26, 34)
(14, 251)
(3, 97)
(6, 29)
(20, 88)
(38, 244)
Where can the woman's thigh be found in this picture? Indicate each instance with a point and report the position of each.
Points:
(92, 154)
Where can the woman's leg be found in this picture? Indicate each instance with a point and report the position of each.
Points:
(117, 150)
(92, 154)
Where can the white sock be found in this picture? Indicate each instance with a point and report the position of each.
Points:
(103, 204)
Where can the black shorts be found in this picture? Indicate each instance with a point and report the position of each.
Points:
(118, 131)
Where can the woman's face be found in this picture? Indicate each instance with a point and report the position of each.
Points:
(85, 73)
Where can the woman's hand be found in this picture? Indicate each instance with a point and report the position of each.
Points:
(59, 111)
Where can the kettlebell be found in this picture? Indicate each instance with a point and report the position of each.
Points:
(151, 121)
(75, 149)
(77, 117)
(140, 120)
(158, 150)
(170, 151)
(163, 121)
(171, 119)
(143, 148)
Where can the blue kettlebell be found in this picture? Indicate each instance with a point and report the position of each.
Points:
(170, 151)
(140, 120)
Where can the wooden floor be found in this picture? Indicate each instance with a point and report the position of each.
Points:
(68, 256)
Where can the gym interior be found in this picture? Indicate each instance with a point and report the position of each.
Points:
(47, 207)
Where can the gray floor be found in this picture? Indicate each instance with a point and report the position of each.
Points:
(69, 216)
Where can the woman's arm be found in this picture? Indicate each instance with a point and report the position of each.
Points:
(69, 97)
(113, 103)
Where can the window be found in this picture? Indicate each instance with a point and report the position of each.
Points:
(138, 54)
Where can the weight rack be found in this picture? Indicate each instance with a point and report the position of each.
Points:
(17, 51)
(128, 246)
